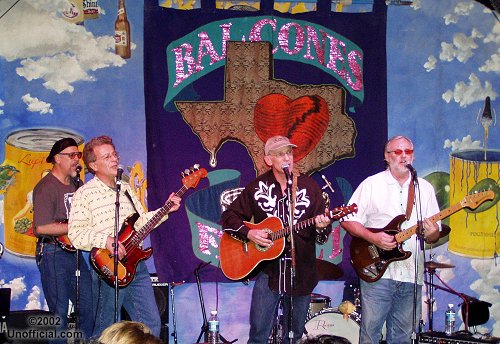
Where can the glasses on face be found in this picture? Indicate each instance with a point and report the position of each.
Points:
(110, 156)
(400, 151)
(288, 152)
(73, 155)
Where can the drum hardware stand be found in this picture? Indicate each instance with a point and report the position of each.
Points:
(204, 327)
(430, 301)
(172, 301)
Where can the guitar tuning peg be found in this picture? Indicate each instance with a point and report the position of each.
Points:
(187, 171)
(182, 174)
(196, 166)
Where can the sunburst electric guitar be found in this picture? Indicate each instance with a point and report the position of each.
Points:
(238, 258)
(370, 262)
(102, 259)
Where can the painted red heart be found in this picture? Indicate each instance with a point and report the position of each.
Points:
(303, 120)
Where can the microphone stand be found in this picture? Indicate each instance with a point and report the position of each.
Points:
(419, 248)
(115, 244)
(289, 184)
(77, 270)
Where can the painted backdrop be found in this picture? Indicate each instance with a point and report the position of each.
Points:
(442, 63)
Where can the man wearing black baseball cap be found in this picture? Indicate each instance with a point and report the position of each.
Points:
(56, 258)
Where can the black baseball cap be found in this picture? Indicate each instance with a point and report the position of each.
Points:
(59, 146)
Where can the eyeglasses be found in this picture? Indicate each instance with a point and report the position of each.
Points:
(288, 152)
(111, 155)
(73, 155)
(400, 151)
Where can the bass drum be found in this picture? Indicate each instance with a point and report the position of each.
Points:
(331, 321)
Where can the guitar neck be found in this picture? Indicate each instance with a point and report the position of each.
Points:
(407, 233)
(142, 233)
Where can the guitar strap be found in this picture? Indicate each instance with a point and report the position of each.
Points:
(131, 201)
(411, 198)
(294, 195)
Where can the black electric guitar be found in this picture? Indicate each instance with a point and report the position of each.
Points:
(370, 262)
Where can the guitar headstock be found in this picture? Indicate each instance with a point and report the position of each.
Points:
(192, 176)
(475, 200)
(340, 212)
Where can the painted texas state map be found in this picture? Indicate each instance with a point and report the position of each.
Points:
(256, 107)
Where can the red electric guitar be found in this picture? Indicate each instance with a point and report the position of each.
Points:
(102, 259)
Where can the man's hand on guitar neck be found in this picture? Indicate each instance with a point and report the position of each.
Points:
(176, 202)
(110, 244)
(431, 231)
(260, 237)
(322, 221)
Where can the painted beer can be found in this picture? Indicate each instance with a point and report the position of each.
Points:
(25, 153)
(475, 233)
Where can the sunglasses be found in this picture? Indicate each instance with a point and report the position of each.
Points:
(73, 155)
(400, 151)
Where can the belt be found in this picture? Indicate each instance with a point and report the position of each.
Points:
(47, 240)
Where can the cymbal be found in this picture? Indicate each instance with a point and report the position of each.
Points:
(328, 271)
(435, 265)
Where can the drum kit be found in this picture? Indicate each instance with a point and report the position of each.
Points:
(324, 319)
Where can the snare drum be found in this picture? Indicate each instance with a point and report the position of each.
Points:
(317, 303)
(331, 321)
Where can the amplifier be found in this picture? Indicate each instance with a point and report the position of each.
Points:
(155, 281)
(456, 338)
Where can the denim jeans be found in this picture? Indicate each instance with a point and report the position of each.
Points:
(137, 298)
(263, 312)
(57, 272)
(390, 301)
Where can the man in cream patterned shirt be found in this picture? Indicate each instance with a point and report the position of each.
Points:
(92, 224)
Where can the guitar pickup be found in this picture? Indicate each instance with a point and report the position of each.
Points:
(370, 270)
(373, 251)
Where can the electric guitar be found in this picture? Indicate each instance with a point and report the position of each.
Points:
(238, 258)
(103, 260)
(65, 243)
(63, 240)
(370, 261)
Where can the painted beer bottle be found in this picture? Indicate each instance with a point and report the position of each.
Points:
(122, 32)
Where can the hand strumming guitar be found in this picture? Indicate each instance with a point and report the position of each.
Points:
(260, 237)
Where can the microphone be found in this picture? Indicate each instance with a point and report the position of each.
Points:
(119, 173)
(288, 175)
(412, 171)
(78, 169)
(327, 183)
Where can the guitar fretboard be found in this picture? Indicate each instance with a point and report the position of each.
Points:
(142, 233)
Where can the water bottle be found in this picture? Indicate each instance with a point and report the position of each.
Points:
(213, 328)
(449, 320)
